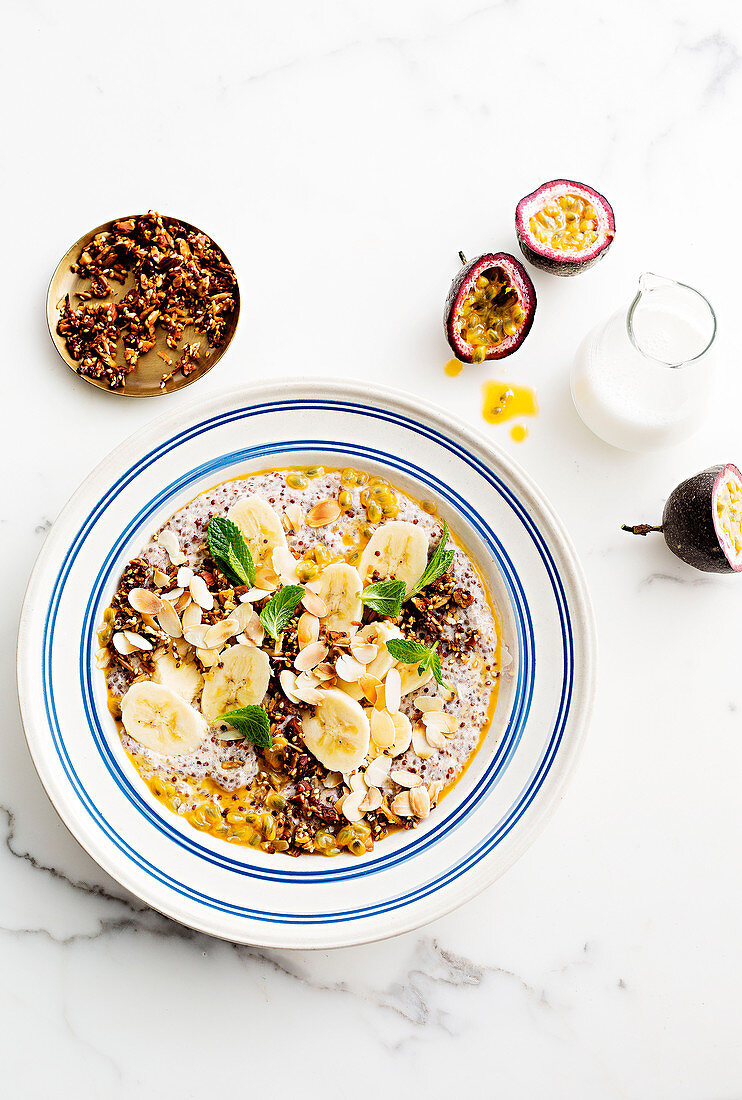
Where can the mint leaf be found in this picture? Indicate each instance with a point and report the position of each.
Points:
(252, 722)
(440, 563)
(385, 597)
(410, 653)
(228, 547)
(280, 608)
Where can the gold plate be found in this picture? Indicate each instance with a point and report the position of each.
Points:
(144, 380)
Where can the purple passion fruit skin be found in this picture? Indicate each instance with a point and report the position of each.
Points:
(490, 308)
(702, 520)
(564, 227)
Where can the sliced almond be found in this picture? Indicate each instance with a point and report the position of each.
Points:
(420, 743)
(183, 602)
(161, 579)
(401, 805)
(201, 593)
(364, 652)
(372, 801)
(420, 802)
(324, 512)
(426, 703)
(357, 783)
(403, 734)
(405, 778)
(287, 680)
(172, 595)
(393, 690)
(434, 790)
(349, 669)
(295, 517)
(196, 635)
(138, 641)
(253, 630)
(169, 621)
(266, 578)
(332, 780)
(325, 672)
(437, 721)
(184, 577)
(435, 738)
(311, 656)
(352, 806)
(168, 540)
(207, 657)
(307, 689)
(218, 634)
(307, 629)
(285, 564)
(377, 771)
(122, 644)
(382, 729)
(253, 595)
(102, 659)
(369, 685)
(144, 601)
(313, 603)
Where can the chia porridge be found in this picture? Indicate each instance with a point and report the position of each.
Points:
(300, 662)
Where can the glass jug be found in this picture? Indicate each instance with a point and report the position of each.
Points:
(642, 379)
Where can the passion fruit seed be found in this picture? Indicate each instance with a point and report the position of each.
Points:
(345, 500)
(568, 222)
(490, 312)
(296, 481)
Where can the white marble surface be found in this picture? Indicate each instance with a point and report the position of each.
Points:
(343, 152)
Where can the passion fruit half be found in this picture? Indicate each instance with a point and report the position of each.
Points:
(490, 307)
(702, 520)
(564, 227)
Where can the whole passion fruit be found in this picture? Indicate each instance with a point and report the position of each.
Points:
(490, 307)
(702, 520)
(564, 227)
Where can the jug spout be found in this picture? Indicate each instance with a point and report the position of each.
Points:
(670, 322)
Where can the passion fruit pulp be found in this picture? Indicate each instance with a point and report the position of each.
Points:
(489, 308)
(564, 227)
(702, 520)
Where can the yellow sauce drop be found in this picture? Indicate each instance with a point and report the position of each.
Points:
(518, 432)
(503, 402)
(453, 367)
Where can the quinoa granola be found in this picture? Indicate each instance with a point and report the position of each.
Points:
(179, 624)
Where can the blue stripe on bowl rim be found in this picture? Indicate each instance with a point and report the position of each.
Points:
(531, 788)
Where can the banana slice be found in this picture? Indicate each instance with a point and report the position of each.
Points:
(340, 587)
(260, 526)
(241, 680)
(411, 680)
(159, 718)
(398, 550)
(338, 732)
(379, 633)
(184, 679)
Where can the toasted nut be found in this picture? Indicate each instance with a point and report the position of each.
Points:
(393, 690)
(307, 629)
(216, 635)
(401, 805)
(349, 669)
(314, 604)
(169, 621)
(253, 595)
(102, 659)
(369, 685)
(435, 738)
(266, 578)
(356, 782)
(287, 680)
(377, 771)
(285, 564)
(161, 579)
(207, 657)
(295, 517)
(420, 802)
(196, 635)
(138, 641)
(144, 601)
(352, 806)
(324, 672)
(332, 780)
(420, 743)
(382, 729)
(185, 576)
(363, 651)
(426, 703)
(122, 644)
(307, 688)
(311, 656)
(405, 778)
(372, 801)
(201, 594)
(326, 511)
(168, 540)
